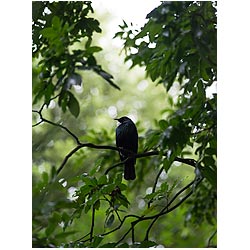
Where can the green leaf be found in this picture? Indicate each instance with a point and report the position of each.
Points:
(167, 164)
(48, 92)
(53, 222)
(45, 177)
(108, 245)
(97, 205)
(210, 175)
(56, 22)
(163, 124)
(84, 190)
(123, 200)
(48, 32)
(73, 105)
(65, 234)
(164, 187)
(150, 196)
(118, 34)
(50, 229)
(97, 241)
(147, 243)
(91, 181)
(107, 189)
(210, 151)
(118, 179)
(152, 138)
(93, 49)
(102, 180)
(123, 245)
(87, 208)
(109, 221)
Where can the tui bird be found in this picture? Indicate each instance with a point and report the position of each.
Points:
(127, 138)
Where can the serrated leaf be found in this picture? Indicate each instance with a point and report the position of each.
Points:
(73, 105)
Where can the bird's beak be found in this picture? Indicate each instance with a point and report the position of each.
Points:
(117, 119)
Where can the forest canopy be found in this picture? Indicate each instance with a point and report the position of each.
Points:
(164, 78)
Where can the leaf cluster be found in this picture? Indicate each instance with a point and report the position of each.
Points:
(92, 193)
(58, 28)
(178, 47)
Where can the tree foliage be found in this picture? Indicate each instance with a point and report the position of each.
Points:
(57, 27)
(177, 48)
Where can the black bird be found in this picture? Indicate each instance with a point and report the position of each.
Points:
(127, 138)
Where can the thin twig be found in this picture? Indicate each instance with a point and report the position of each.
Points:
(83, 237)
(42, 119)
(123, 237)
(210, 238)
(63, 127)
(37, 123)
(116, 165)
(190, 162)
(66, 159)
(154, 186)
(113, 230)
(166, 209)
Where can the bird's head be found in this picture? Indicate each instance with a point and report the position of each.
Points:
(123, 119)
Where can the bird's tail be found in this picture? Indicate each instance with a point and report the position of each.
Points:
(129, 170)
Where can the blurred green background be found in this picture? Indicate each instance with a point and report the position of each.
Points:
(144, 103)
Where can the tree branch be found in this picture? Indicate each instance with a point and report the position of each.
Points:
(66, 159)
(210, 238)
(123, 237)
(116, 165)
(111, 231)
(190, 162)
(166, 209)
(55, 124)
(154, 187)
